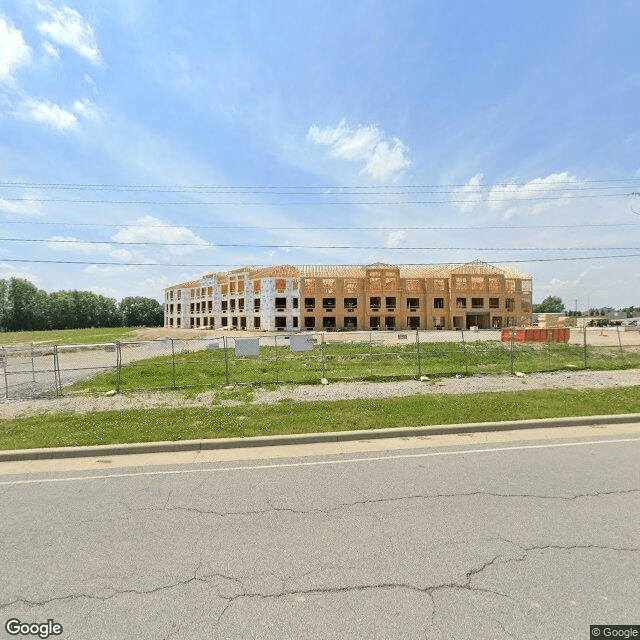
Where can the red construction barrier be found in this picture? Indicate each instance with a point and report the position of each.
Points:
(561, 335)
(536, 335)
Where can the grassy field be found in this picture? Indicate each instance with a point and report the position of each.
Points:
(69, 336)
(200, 370)
(286, 417)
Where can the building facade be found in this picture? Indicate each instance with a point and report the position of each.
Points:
(339, 298)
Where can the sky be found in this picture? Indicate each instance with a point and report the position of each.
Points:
(144, 144)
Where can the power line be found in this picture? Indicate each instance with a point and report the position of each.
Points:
(518, 198)
(306, 188)
(327, 191)
(303, 246)
(209, 265)
(316, 228)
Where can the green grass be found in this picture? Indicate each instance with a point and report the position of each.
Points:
(201, 370)
(69, 336)
(150, 425)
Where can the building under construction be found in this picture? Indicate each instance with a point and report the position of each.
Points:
(339, 298)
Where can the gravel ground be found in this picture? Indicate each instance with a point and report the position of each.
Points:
(333, 391)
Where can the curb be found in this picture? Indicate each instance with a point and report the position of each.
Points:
(308, 438)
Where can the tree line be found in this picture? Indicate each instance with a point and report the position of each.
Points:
(553, 304)
(24, 307)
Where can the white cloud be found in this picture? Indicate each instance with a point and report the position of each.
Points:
(14, 51)
(109, 271)
(382, 158)
(396, 238)
(387, 160)
(8, 271)
(71, 244)
(126, 255)
(150, 229)
(86, 109)
(512, 198)
(51, 50)
(156, 283)
(556, 283)
(68, 28)
(74, 245)
(471, 192)
(357, 145)
(91, 82)
(328, 135)
(48, 113)
(24, 206)
(531, 195)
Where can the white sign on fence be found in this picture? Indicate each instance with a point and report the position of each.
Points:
(247, 346)
(302, 343)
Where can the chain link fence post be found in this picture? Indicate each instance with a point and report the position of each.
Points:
(56, 371)
(4, 363)
(464, 353)
(33, 369)
(418, 354)
(323, 357)
(511, 357)
(118, 365)
(226, 361)
(275, 342)
(620, 342)
(173, 363)
(585, 356)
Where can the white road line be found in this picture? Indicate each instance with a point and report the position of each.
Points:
(317, 463)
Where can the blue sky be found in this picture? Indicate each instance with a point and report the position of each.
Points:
(324, 132)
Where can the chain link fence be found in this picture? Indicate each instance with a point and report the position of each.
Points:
(306, 358)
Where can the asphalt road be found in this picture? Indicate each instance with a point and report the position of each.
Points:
(485, 540)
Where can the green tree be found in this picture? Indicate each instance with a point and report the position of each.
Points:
(551, 304)
(25, 306)
(141, 312)
(4, 304)
(81, 310)
(60, 310)
(630, 312)
(107, 314)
